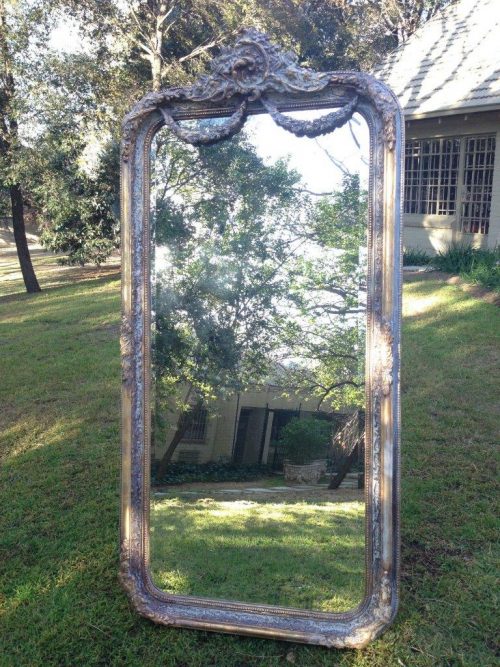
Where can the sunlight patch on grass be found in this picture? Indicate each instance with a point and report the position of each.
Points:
(60, 504)
(290, 553)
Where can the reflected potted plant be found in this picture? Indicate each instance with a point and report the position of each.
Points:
(305, 442)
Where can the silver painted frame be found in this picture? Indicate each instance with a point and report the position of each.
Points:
(244, 79)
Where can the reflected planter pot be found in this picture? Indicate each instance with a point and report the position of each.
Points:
(308, 473)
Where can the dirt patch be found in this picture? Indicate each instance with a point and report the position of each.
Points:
(490, 296)
(418, 558)
(203, 486)
(475, 290)
(418, 276)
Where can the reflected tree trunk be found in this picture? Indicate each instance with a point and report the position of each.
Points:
(182, 424)
(180, 430)
(344, 467)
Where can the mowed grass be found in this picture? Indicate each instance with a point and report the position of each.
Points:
(61, 602)
(307, 554)
(49, 271)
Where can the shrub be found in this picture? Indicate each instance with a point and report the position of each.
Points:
(472, 264)
(456, 258)
(305, 440)
(485, 271)
(214, 471)
(415, 257)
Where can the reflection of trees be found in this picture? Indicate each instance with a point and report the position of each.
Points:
(330, 293)
(251, 280)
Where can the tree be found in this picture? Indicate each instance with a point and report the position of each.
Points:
(401, 18)
(76, 202)
(253, 280)
(19, 22)
(155, 43)
(161, 40)
(218, 299)
(141, 43)
(329, 294)
(305, 440)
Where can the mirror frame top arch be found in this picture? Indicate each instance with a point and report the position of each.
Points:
(253, 77)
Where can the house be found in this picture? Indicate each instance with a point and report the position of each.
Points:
(447, 78)
(242, 427)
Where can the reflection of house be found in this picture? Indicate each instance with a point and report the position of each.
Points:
(447, 78)
(243, 427)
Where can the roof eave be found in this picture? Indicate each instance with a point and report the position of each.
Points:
(455, 111)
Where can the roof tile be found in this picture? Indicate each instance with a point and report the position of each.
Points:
(451, 60)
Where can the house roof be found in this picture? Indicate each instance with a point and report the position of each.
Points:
(450, 64)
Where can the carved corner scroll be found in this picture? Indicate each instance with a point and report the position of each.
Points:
(255, 76)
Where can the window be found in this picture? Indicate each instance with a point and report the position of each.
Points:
(431, 174)
(451, 175)
(477, 184)
(196, 425)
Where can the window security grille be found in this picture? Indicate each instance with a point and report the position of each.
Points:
(477, 184)
(441, 172)
(196, 425)
(431, 176)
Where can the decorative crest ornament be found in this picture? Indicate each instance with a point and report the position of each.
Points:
(253, 67)
(248, 72)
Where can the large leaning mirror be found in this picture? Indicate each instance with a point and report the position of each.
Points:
(261, 262)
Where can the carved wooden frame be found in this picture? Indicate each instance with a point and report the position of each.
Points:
(255, 77)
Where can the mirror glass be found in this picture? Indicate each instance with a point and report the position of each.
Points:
(258, 320)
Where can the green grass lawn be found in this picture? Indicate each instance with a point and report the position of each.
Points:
(61, 603)
(307, 554)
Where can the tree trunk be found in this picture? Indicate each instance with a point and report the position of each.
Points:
(156, 71)
(182, 424)
(30, 279)
(156, 57)
(8, 146)
(344, 467)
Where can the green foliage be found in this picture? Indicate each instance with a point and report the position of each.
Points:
(238, 290)
(305, 440)
(330, 293)
(456, 258)
(148, 44)
(217, 300)
(474, 264)
(214, 471)
(415, 257)
(485, 271)
(78, 207)
(340, 220)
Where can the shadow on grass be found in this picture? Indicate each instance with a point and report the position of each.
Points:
(297, 554)
(61, 602)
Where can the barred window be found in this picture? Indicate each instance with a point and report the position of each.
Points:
(477, 184)
(196, 425)
(431, 175)
(450, 176)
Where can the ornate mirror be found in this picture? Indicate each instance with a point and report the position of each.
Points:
(260, 350)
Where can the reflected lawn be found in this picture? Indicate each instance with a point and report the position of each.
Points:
(301, 553)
